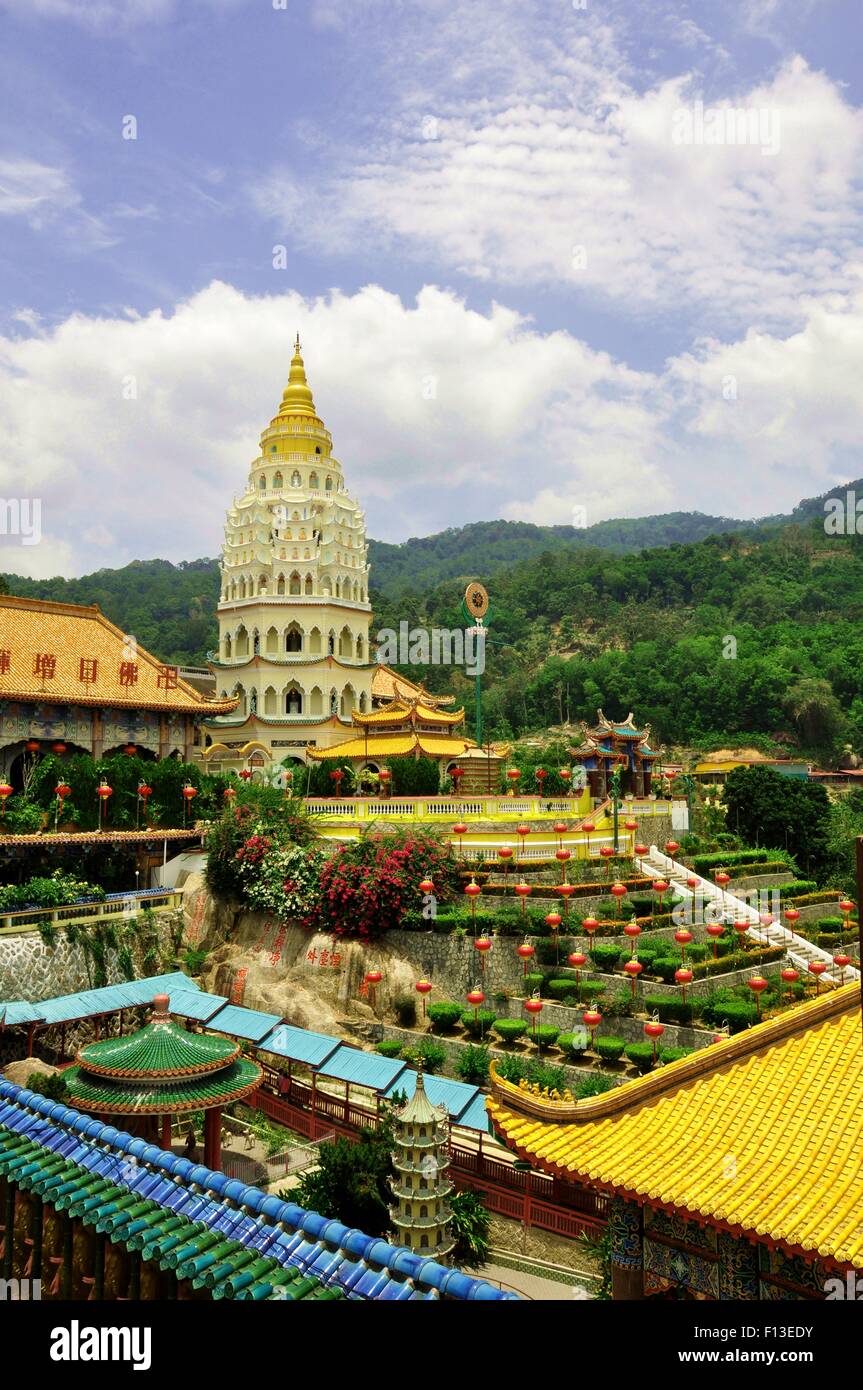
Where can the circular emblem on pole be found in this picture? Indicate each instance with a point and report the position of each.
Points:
(476, 599)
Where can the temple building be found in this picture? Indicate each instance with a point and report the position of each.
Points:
(608, 745)
(70, 681)
(735, 1172)
(294, 607)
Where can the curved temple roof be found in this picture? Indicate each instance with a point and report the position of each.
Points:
(270, 1249)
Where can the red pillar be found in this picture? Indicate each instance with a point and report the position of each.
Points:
(213, 1137)
(166, 1132)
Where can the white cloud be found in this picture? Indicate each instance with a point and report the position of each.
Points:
(440, 415)
(45, 196)
(508, 188)
(112, 15)
(437, 412)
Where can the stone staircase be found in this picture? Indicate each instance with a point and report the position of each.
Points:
(799, 950)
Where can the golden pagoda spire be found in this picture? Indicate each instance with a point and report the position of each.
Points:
(297, 396)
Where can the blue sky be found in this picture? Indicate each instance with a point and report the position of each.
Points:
(520, 294)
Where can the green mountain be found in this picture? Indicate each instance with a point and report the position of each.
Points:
(702, 625)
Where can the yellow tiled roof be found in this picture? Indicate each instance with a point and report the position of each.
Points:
(387, 684)
(70, 634)
(394, 745)
(762, 1132)
(409, 713)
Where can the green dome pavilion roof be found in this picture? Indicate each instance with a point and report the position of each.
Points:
(160, 1069)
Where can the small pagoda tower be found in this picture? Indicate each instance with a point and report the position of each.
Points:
(160, 1071)
(421, 1187)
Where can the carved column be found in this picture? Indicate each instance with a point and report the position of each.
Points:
(627, 1249)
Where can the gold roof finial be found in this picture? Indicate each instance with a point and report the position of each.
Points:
(297, 396)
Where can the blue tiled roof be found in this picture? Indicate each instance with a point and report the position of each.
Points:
(244, 1023)
(195, 1003)
(362, 1068)
(299, 1044)
(475, 1116)
(355, 1265)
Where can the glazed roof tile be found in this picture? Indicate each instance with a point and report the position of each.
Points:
(785, 1099)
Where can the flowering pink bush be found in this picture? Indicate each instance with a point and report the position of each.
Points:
(367, 887)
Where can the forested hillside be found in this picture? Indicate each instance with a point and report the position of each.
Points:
(748, 632)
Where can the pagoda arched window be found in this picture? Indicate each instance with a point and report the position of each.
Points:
(295, 583)
(314, 482)
(293, 700)
(262, 482)
(331, 644)
(329, 485)
(315, 642)
(295, 478)
(334, 702)
(227, 645)
(256, 643)
(309, 585)
(278, 480)
(280, 584)
(293, 639)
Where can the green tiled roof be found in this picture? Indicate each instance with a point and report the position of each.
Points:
(123, 1095)
(161, 1049)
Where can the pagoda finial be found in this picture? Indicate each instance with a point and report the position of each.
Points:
(297, 396)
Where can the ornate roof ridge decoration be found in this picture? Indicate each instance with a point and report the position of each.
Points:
(783, 1098)
(278, 720)
(413, 711)
(596, 738)
(410, 688)
(674, 1074)
(395, 743)
(19, 682)
(262, 659)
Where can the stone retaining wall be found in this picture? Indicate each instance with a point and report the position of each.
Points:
(31, 969)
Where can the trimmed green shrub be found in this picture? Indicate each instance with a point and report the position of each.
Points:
(605, 957)
(545, 1036)
(479, 1026)
(572, 1044)
(609, 1049)
(562, 989)
(544, 1074)
(641, 1053)
(509, 1030)
(430, 1053)
(533, 982)
(737, 1013)
(444, 1016)
(670, 1008)
(665, 966)
(390, 1047)
(592, 991)
(673, 1054)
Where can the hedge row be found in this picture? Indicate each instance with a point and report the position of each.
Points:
(704, 864)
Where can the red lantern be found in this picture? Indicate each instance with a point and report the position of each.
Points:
(722, 878)
(423, 987)
(841, 961)
(633, 969)
(227, 795)
(103, 791)
(522, 831)
(58, 748)
(373, 977)
(683, 977)
(591, 1018)
(426, 886)
(482, 944)
(475, 997)
(631, 825)
(846, 906)
(671, 848)
(459, 830)
(607, 853)
(246, 774)
(618, 892)
(456, 773)
(577, 959)
(62, 790)
(640, 851)
(683, 937)
(553, 920)
(563, 857)
(660, 887)
(385, 775)
(189, 792)
(505, 853)
(560, 828)
(566, 891)
(338, 777)
(525, 951)
(588, 827)
(758, 984)
(473, 890)
(817, 968)
(789, 976)
(5, 792)
(654, 1030)
(540, 774)
(130, 749)
(792, 915)
(692, 882)
(513, 775)
(523, 891)
(565, 774)
(741, 926)
(534, 1008)
(590, 925)
(633, 931)
(33, 745)
(715, 930)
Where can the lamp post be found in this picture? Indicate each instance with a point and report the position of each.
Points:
(473, 891)
(533, 1005)
(423, 987)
